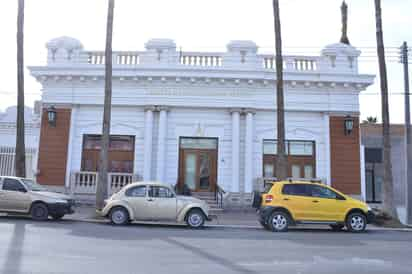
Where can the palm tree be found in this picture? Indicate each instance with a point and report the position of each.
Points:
(102, 183)
(20, 159)
(388, 204)
(281, 163)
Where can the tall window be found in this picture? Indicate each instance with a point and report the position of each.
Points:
(300, 156)
(121, 153)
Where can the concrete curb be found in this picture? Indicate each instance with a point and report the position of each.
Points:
(231, 226)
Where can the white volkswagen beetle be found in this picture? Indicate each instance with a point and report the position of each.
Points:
(153, 201)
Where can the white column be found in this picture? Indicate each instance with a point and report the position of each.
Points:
(363, 173)
(249, 152)
(161, 146)
(327, 151)
(235, 150)
(69, 147)
(147, 150)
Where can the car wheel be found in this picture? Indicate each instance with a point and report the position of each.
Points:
(39, 212)
(337, 227)
(57, 216)
(119, 216)
(356, 222)
(279, 221)
(195, 218)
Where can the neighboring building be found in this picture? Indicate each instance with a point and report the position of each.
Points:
(8, 140)
(204, 119)
(372, 142)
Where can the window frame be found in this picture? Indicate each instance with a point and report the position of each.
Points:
(301, 160)
(23, 187)
(337, 196)
(170, 192)
(295, 184)
(126, 158)
(127, 193)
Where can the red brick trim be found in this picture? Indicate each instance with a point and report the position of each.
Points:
(345, 156)
(53, 149)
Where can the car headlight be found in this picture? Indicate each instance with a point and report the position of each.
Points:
(369, 208)
(60, 201)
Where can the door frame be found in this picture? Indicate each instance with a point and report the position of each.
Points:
(214, 167)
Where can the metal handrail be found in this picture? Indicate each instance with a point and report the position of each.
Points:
(219, 192)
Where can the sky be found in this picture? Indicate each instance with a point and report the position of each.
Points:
(200, 25)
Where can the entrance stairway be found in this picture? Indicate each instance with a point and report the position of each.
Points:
(209, 198)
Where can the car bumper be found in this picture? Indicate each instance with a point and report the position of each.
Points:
(61, 208)
(370, 217)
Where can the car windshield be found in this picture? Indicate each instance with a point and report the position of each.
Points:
(32, 185)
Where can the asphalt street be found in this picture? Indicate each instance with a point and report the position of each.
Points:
(78, 247)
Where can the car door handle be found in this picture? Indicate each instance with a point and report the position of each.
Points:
(286, 199)
(315, 201)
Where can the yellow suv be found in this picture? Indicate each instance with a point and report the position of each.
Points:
(288, 203)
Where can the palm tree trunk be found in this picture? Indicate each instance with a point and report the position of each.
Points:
(102, 183)
(281, 163)
(20, 159)
(388, 204)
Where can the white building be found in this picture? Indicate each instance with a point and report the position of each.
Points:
(8, 141)
(204, 119)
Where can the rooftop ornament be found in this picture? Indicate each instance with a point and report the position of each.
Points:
(344, 9)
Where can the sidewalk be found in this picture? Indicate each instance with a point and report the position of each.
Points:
(243, 219)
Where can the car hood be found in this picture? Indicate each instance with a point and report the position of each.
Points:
(358, 202)
(52, 195)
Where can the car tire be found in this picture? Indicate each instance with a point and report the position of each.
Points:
(39, 212)
(195, 218)
(356, 222)
(279, 221)
(57, 217)
(337, 227)
(119, 216)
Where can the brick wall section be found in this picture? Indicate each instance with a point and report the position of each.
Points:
(53, 149)
(345, 157)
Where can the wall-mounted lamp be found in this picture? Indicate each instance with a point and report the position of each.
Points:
(52, 116)
(348, 125)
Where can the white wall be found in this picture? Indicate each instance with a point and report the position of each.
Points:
(190, 122)
(125, 121)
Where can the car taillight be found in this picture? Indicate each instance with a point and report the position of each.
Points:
(268, 198)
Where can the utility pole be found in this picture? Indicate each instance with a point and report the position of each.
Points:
(408, 129)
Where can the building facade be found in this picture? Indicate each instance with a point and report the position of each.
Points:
(206, 120)
(8, 141)
(372, 143)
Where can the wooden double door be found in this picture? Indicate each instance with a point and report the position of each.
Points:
(198, 169)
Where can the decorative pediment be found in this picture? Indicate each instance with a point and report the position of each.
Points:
(294, 134)
(199, 129)
(116, 128)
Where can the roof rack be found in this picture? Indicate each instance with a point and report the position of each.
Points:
(312, 180)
